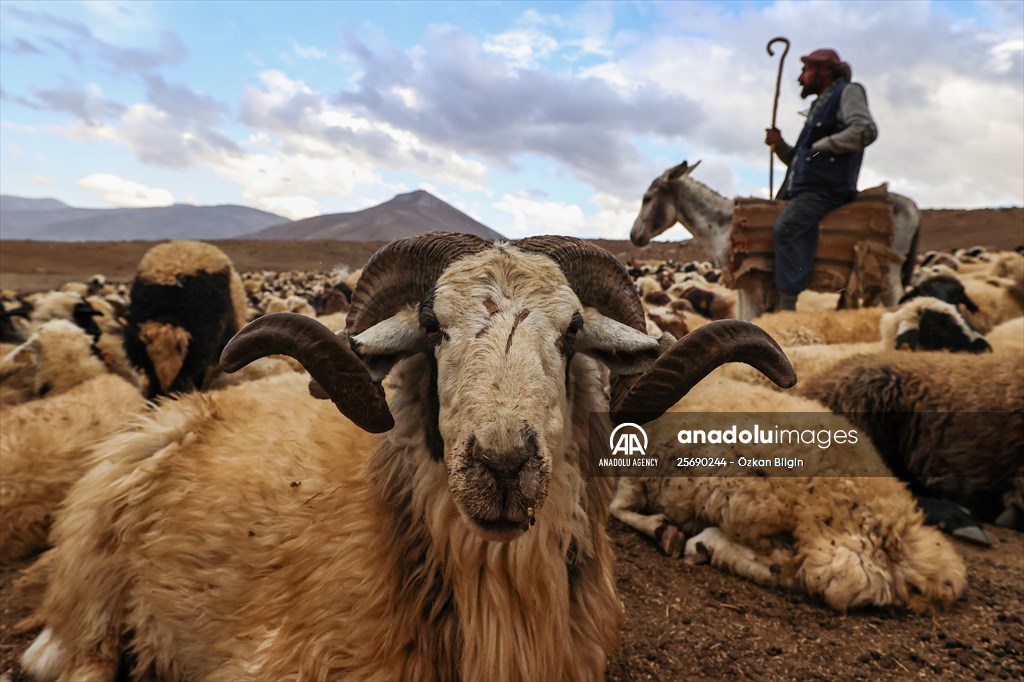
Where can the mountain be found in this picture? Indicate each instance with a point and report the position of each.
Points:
(52, 220)
(10, 203)
(405, 215)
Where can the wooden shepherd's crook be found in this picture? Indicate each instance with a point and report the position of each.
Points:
(775, 110)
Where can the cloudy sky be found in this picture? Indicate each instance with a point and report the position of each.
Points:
(533, 117)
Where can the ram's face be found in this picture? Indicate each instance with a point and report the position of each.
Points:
(499, 325)
(502, 326)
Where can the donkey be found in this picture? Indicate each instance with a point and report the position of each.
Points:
(675, 197)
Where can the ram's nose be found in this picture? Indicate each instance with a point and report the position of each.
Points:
(513, 469)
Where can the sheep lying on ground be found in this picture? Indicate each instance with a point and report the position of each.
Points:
(469, 542)
(840, 527)
(808, 361)
(946, 288)
(951, 425)
(1009, 336)
(186, 303)
(928, 323)
(714, 302)
(929, 271)
(1008, 264)
(999, 299)
(45, 447)
(791, 328)
(58, 356)
(258, 369)
(14, 325)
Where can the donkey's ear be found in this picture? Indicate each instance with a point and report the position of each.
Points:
(680, 170)
(676, 172)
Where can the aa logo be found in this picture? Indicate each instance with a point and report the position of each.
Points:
(628, 439)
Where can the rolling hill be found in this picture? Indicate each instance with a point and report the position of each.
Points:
(52, 220)
(405, 215)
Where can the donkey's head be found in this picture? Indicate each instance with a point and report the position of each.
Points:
(659, 208)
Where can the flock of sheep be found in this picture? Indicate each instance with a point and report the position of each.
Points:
(172, 450)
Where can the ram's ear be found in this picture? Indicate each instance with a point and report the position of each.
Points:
(381, 346)
(623, 349)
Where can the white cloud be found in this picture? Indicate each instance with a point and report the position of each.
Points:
(1006, 54)
(409, 96)
(947, 93)
(521, 48)
(539, 216)
(18, 127)
(286, 184)
(41, 180)
(308, 52)
(120, 16)
(293, 207)
(126, 193)
(927, 83)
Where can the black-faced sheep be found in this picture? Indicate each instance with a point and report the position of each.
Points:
(943, 287)
(14, 327)
(928, 324)
(186, 303)
(839, 527)
(253, 533)
(950, 425)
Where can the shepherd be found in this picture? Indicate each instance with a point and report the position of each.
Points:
(823, 166)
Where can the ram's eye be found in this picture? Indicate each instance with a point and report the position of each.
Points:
(565, 341)
(429, 324)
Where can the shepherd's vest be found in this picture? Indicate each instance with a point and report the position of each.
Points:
(835, 174)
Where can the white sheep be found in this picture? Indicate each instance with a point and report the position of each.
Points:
(808, 361)
(58, 356)
(999, 298)
(1007, 337)
(839, 526)
(45, 447)
(468, 542)
(795, 328)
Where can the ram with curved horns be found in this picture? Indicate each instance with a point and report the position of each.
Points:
(253, 534)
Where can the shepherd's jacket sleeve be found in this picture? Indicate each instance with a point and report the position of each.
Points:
(784, 151)
(860, 130)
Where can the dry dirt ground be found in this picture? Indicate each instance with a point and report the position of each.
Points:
(35, 265)
(686, 622)
(682, 622)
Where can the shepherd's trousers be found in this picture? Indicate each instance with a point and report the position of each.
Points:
(795, 234)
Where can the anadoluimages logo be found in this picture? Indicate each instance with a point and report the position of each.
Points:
(628, 439)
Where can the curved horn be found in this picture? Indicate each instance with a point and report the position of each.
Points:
(327, 356)
(599, 279)
(404, 271)
(691, 359)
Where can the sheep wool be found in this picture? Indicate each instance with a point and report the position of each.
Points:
(950, 424)
(45, 447)
(845, 530)
(187, 301)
